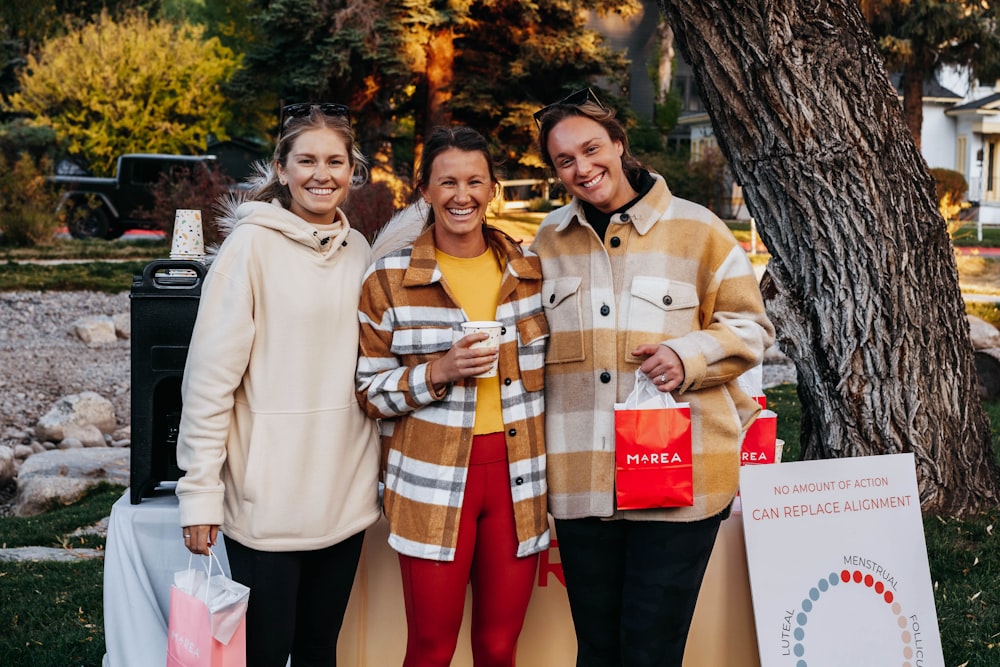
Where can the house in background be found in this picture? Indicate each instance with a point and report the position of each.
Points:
(961, 120)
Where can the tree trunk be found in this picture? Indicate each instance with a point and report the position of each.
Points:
(440, 77)
(912, 84)
(866, 298)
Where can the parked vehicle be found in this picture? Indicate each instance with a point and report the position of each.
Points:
(108, 207)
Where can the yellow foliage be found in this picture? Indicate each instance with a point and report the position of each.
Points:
(950, 209)
(131, 86)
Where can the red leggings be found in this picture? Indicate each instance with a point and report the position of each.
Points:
(434, 591)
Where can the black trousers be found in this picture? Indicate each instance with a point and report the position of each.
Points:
(297, 601)
(633, 586)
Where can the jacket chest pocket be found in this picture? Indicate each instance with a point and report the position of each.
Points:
(660, 309)
(561, 302)
(419, 344)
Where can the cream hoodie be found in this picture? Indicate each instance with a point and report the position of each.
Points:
(274, 443)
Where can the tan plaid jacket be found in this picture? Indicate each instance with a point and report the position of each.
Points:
(410, 317)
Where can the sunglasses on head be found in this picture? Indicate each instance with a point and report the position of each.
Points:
(303, 109)
(575, 99)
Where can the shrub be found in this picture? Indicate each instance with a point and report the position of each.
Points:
(19, 136)
(199, 188)
(27, 204)
(951, 188)
(369, 207)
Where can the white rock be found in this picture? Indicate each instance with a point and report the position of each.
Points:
(984, 335)
(95, 330)
(88, 434)
(123, 325)
(84, 408)
(62, 476)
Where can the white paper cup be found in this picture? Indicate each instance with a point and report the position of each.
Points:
(778, 446)
(488, 327)
(188, 241)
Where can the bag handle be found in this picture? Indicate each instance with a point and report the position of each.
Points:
(645, 391)
(208, 570)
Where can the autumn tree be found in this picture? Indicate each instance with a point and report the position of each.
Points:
(863, 285)
(918, 37)
(132, 85)
(416, 63)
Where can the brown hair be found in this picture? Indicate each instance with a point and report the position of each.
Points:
(441, 139)
(552, 115)
(294, 127)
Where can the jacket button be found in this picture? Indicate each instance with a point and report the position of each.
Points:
(519, 481)
(605, 377)
(667, 300)
(626, 217)
(552, 298)
(506, 382)
(615, 241)
(512, 432)
(605, 310)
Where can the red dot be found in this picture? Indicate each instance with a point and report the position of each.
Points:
(857, 576)
(888, 597)
(869, 580)
(845, 576)
(879, 587)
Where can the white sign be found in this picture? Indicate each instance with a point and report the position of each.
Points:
(838, 564)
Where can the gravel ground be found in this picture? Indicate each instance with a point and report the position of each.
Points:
(41, 360)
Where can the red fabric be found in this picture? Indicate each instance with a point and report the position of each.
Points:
(189, 636)
(653, 458)
(434, 591)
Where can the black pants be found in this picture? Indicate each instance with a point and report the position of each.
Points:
(633, 586)
(297, 601)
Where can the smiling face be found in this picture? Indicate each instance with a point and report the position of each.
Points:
(318, 174)
(589, 163)
(459, 190)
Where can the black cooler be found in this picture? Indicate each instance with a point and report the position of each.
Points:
(164, 304)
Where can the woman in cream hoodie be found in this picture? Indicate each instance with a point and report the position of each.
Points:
(275, 447)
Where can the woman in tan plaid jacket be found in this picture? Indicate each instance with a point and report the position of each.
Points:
(463, 458)
(636, 278)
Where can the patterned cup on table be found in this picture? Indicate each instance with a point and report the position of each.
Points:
(189, 240)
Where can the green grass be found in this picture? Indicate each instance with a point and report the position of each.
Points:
(89, 249)
(96, 276)
(52, 614)
(47, 530)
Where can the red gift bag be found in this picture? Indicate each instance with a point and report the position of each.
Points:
(652, 450)
(192, 633)
(760, 439)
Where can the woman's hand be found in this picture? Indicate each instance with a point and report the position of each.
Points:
(662, 366)
(462, 361)
(198, 539)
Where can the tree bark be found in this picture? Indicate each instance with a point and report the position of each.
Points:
(866, 298)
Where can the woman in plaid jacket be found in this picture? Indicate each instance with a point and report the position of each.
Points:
(463, 457)
(636, 278)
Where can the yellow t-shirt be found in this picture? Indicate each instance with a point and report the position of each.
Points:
(475, 282)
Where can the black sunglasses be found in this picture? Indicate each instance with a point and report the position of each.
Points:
(576, 99)
(303, 109)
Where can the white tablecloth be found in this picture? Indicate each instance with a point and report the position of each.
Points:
(144, 550)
